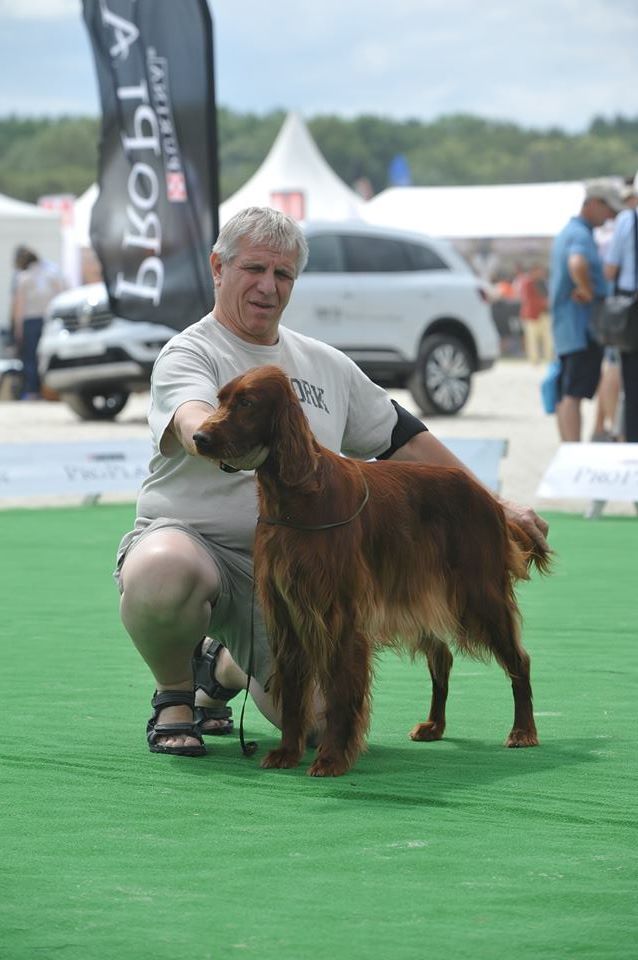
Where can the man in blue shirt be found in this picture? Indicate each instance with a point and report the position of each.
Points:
(576, 280)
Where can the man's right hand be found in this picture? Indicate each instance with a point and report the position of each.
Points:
(188, 418)
(582, 295)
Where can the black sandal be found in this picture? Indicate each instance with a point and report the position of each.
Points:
(154, 730)
(204, 673)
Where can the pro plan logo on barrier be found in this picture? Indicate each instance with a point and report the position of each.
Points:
(152, 222)
(87, 468)
(593, 471)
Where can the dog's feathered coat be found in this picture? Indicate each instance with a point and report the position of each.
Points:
(351, 555)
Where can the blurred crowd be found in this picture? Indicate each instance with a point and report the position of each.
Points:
(542, 308)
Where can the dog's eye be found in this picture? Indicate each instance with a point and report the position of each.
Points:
(244, 402)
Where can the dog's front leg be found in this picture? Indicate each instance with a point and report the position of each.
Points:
(347, 695)
(292, 681)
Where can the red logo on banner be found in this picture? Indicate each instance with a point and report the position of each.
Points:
(176, 187)
(291, 202)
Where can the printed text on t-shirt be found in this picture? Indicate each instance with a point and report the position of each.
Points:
(309, 393)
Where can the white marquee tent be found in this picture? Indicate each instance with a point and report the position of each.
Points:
(501, 211)
(32, 226)
(295, 178)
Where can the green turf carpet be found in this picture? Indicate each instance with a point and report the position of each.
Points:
(458, 849)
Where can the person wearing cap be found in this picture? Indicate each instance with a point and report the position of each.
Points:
(620, 269)
(576, 281)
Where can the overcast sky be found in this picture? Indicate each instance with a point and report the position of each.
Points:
(539, 63)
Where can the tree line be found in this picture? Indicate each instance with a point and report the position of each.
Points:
(59, 155)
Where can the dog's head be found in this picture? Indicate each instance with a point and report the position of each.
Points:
(258, 416)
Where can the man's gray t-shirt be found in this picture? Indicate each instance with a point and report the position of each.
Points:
(346, 412)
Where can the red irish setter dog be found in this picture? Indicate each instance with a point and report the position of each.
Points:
(350, 556)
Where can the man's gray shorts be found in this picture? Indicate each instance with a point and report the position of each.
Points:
(236, 618)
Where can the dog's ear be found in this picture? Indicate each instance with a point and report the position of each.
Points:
(293, 443)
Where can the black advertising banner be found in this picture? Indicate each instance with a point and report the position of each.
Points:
(156, 216)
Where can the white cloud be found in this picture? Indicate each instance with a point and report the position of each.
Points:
(38, 9)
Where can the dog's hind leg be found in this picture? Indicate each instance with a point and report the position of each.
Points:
(439, 664)
(516, 665)
(499, 631)
(347, 697)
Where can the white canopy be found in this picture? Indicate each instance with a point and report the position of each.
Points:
(295, 178)
(509, 210)
(31, 226)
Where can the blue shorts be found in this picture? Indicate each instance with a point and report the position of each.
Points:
(580, 372)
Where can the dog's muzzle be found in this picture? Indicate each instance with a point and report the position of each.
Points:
(251, 460)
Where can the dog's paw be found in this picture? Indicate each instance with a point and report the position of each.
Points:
(328, 767)
(426, 731)
(280, 759)
(522, 738)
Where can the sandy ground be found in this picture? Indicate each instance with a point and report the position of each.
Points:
(505, 403)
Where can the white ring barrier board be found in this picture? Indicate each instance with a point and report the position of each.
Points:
(592, 471)
(94, 467)
(87, 468)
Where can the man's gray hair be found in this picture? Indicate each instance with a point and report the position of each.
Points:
(262, 225)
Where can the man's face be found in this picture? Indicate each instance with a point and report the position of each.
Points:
(253, 289)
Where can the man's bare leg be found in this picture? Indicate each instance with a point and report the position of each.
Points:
(608, 395)
(569, 419)
(169, 587)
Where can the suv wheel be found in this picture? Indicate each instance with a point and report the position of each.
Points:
(442, 378)
(97, 406)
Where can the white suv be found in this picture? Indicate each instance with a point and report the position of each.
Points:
(406, 308)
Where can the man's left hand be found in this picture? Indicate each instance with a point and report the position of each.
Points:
(529, 520)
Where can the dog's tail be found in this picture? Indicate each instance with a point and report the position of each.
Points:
(535, 554)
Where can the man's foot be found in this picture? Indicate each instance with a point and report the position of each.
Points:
(172, 729)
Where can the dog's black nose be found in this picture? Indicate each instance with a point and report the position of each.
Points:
(201, 441)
